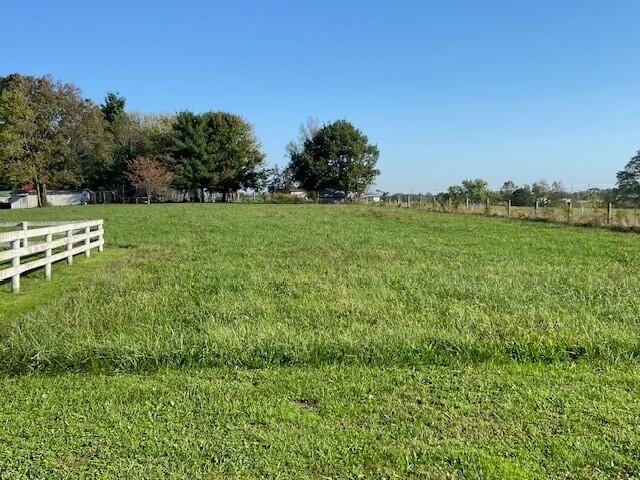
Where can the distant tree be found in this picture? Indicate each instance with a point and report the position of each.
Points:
(629, 180)
(455, 194)
(279, 180)
(193, 163)
(113, 107)
(522, 197)
(49, 134)
(306, 132)
(148, 175)
(507, 189)
(540, 190)
(336, 156)
(237, 153)
(216, 150)
(134, 135)
(476, 190)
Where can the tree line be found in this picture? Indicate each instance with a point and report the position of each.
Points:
(626, 192)
(53, 137)
(541, 192)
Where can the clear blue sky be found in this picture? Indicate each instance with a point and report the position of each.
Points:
(448, 89)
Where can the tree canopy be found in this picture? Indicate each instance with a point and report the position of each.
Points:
(629, 180)
(49, 134)
(336, 156)
(215, 150)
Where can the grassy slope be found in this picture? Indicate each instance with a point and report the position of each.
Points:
(361, 305)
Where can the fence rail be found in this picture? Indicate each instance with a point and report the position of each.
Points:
(74, 238)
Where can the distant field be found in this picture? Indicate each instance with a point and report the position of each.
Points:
(310, 341)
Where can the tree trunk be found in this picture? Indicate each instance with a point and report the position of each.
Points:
(41, 191)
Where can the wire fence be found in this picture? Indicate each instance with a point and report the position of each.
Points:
(587, 213)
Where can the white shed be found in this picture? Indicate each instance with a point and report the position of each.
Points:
(60, 198)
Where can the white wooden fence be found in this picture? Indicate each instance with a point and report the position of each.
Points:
(73, 238)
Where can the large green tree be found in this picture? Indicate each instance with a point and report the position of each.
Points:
(215, 150)
(49, 134)
(335, 156)
(629, 180)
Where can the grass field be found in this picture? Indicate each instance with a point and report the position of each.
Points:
(300, 341)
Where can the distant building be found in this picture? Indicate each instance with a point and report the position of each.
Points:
(372, 197)
(61, 198)
(55, 198)
(332, 196)
(298, 193)
(20, 200)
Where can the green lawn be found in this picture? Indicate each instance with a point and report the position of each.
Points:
(297, 341)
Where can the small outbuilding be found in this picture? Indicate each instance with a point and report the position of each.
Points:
(298, 193)
(372, 197)
(55, 198)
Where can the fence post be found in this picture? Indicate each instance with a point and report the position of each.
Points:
(609, 213)
(467, 202)
(15, 262)
(509, 208)
(101, 238)
(569, 210)
(87, 242)
(25, 240)
(70, 246)
(488, 207)
(536, 208)
(47, 268)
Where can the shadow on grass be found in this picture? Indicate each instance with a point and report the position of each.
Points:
(35, 290)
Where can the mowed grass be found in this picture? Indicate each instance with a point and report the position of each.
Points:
(301, 341)
(247, 285)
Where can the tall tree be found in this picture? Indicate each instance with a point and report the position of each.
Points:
(216, 150)
(51, 135)
(629, 180)
(336, 156)
(193, 162)
(237, 155)
(113, 107)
